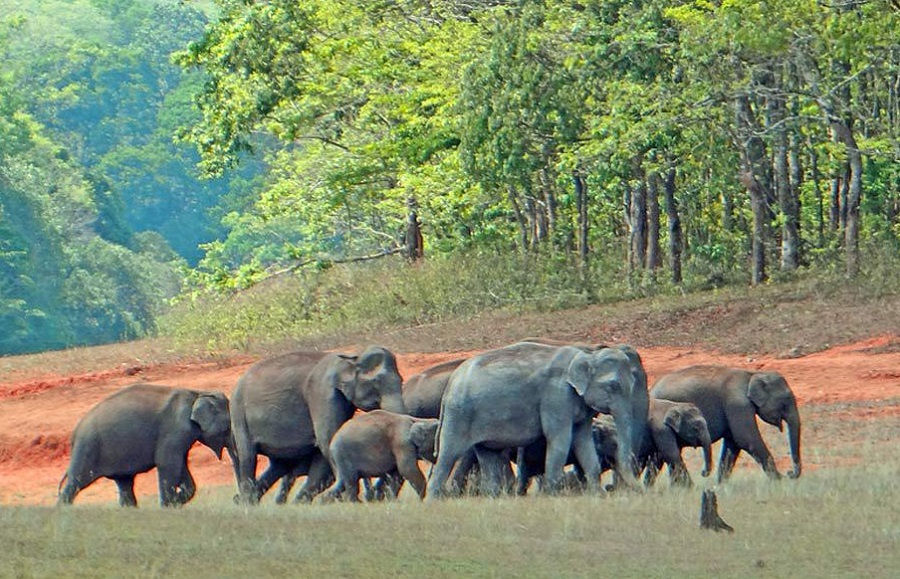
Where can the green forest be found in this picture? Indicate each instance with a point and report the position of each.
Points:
(212, 170)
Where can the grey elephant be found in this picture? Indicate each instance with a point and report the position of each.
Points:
(422, 392)
(381, 443)
(288, 408)
(640, 402)
(530, 459)
(510, 397)
(730, 400)
(141, 427)
(673, 426)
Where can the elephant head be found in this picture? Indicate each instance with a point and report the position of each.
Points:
(422, 434)
(605, 381)
(775, 404)
(210, 413)
(688, 424)
(371, 380)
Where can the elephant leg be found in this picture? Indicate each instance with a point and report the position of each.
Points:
(288, 480)
(278, 469)
(186, 489)
(248, 492)
(727, 459)
(170, 477)
(523, 476)
(408, 468)
(125, 483)
(319, 477)
(651, 470)
(668, 451)
(72, 487)
(559, 443)
(391, 482)
(750, 439)
(582, 444)
(465, 473)
(450, 452)
(491, 464)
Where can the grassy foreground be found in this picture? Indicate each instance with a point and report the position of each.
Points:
(830, 523)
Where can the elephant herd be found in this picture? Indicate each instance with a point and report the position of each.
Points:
(540, 404)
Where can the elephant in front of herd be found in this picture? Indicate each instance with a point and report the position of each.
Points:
(537, 396)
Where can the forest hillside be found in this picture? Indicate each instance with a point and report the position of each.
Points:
(220, 171)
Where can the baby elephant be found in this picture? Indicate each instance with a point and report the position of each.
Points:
(672, 426)
(380, 443)
(141, 427)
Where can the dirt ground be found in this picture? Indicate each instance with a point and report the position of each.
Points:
(835, 387)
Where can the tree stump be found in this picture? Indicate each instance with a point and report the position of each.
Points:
(709, 513)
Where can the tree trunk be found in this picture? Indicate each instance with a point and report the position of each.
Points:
(758, 243)
(854, 195)
(755, 177)
(709, 513)
(583, 226)
(674, 224)
(654, 260)
(520, 217)
(415, 246)
(638, 215)
(817, 187)
(792, 209)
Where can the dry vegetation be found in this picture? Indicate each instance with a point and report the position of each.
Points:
(835, 522)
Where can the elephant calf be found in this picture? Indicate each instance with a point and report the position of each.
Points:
(380, 443)
(141, 427)
(672, 426)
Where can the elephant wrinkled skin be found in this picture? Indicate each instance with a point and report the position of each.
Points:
(141, 427)
(510, 397)
(730, 399)
(288, 408)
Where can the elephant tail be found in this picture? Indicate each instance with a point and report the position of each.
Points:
(62, 481)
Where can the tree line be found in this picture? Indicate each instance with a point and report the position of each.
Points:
(734, 136)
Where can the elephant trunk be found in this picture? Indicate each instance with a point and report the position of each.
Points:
(707, 453)
(393, 403)
(793, 433)
(626, 462)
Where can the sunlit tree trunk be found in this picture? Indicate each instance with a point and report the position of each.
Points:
(674, 224)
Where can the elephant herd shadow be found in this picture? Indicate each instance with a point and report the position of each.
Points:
(536, 414)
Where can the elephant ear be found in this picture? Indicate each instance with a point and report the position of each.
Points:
(345, 375)
(674, 419)
(422, 435)
(768, 391)
(758, 390)
(210, 412)
(579, 373)
(371, 358)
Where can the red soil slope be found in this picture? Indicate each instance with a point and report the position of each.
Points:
(38, 415)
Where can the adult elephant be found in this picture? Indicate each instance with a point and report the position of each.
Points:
(640, 436)
(141, 427)
(288, 407)
(730, 399)
(510, 397)
(422, 392)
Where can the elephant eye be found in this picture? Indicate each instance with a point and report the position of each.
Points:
(612, 386)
